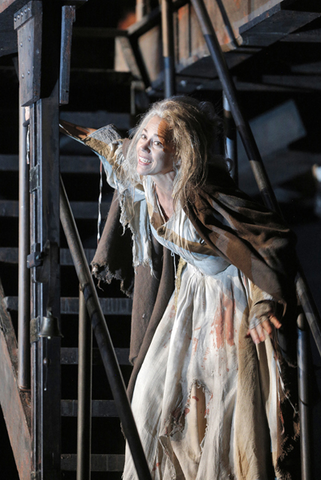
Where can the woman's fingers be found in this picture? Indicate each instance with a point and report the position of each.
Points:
(273, 319)
(259, 332)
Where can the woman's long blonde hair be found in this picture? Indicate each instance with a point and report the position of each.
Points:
(193, 126)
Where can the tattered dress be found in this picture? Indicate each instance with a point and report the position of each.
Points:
(206, 400)
(185, 396)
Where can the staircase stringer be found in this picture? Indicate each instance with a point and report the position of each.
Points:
(15, 404)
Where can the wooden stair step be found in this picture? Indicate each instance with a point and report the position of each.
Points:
(10, 255)
(100, 408)
(69, 305)
(69, 356)
(99, 462)
(98, 119)
(68, 164)
(81, 210)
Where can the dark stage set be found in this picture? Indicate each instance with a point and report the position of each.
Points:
(97, 62)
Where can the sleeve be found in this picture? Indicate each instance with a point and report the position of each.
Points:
(261, 305)
(107, 143)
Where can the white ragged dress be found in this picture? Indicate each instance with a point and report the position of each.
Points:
(206, 400)
(185, 397)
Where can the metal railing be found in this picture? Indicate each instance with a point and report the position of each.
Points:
(102, 336)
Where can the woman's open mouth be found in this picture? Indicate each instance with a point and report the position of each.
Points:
(144, 161)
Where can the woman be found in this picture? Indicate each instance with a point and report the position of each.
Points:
(208, 396)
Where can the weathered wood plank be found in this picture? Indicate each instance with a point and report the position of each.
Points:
(10, 255)
(100, 408)
(81, 210)
(68, 164)
(99, 463)
(309, 36)
(99, 118)
(69, 306)
(277, 27)
(110, 306)
(16, 405)
(302, 82)
(69, 356)
(66, 259)
(92, 32)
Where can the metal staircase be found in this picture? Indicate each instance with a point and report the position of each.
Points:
(54, 433)
(81, 174)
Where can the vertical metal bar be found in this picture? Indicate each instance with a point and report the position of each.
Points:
(168, 48)
(309, 307)
(230, 139)
(254, 156)
(133, 40)
(227, 23)
(84, 392)
(33, 300)
(39, 72)
(303, 387)
(102, 336)
(229, 89)
(46, 291)
(67, 19)
(23, 272)
(267, 193)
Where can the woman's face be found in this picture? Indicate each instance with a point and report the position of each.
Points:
(155, 151)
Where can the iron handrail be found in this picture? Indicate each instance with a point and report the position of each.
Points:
(102, 335)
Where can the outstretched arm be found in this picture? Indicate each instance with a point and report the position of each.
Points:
(75, 131)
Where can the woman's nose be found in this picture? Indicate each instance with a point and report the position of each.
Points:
(145, 145)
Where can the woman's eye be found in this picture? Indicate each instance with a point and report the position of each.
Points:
(158, 144)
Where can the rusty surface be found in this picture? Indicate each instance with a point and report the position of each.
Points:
(16, 4)
(189, 40)
(14, 403)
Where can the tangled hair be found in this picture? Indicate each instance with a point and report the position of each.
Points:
(193, 126)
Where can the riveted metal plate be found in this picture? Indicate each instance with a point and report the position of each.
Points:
(28, 23)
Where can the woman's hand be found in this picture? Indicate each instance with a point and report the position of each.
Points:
(264, 328)
(75, 131)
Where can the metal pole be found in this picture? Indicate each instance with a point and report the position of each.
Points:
(230, 139)
(303, 388)
(168, 48)
(102, 336)
(230, 91)
(227, 23)
(24, 246)
(254, 156)
(84, 392)
(269, 199)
